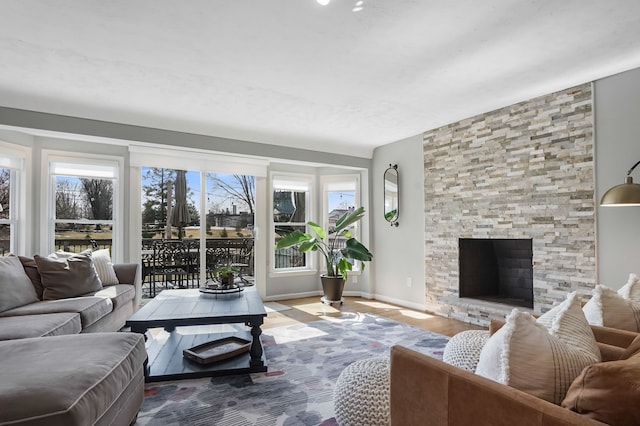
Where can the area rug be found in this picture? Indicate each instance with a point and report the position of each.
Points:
(304, 362)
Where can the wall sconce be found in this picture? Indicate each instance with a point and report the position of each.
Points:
(626, 194)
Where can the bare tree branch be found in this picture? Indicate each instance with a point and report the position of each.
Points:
(240, 188)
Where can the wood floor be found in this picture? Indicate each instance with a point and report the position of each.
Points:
(311, 309)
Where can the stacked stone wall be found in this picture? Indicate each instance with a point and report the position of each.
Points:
(523, 171)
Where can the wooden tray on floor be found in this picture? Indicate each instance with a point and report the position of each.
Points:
(217, 350)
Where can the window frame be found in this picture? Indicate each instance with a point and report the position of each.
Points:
(310, 260)
(17, 159)
(348, 179)
(49, 157)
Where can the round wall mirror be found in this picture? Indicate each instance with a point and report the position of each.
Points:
(391, 200)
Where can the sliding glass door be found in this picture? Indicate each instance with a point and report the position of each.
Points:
(194, 224)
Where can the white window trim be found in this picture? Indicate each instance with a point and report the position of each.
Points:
(47, 194)
(178, 158)
(325, 181)
(21, 211)
(311, 260)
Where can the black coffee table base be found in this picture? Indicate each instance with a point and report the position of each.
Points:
(166, 361)
(180, 312)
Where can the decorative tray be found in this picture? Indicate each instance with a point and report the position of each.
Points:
(217, 350)
(210, 288)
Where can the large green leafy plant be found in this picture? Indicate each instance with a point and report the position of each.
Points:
(338, 260)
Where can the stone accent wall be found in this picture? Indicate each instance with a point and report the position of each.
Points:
(524, 171)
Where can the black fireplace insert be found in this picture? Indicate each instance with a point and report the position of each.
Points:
(497, 270)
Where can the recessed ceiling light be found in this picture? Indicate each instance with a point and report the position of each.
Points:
(323, 2)
(357, 9)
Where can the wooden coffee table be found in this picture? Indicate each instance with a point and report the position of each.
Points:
(189, 308)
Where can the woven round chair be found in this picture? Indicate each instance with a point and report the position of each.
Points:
(463, 349)
(361, 394)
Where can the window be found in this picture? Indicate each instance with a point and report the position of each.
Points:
(12, 166)
(291, 207)
(83, 203)
(340, 195)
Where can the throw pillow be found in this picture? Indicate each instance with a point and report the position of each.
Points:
(61, 254)
(608, 309)
(524, 355)
(568, 322)
(608, 391)
(15, 286)
(31, 268)
(104, 267)
(67, 277)
(631, 290)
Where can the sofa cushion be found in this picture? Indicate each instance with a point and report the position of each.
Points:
(67, 380)
(31, 268)
(608, 391)
(15, 286)
(119, 294)
(632, 350)
(90, 308)
(104, 267)
(631, 290)
(24, 326)
(67, 277)
(525, 355)
(607, 308)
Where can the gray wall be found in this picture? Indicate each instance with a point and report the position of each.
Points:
(115, 131)
(617, 143)
(399, 251)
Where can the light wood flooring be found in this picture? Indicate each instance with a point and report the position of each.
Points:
(311, 309)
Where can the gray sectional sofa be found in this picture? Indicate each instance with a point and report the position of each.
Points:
(63, 360)
(103, 310)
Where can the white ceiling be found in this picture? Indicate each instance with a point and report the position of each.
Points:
(295, 73)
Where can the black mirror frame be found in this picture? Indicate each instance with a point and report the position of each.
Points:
(392, 215)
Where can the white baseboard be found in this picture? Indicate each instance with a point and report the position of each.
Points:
(277, 297)
(417, 306)
(358, 294)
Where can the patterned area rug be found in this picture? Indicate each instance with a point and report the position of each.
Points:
(304, 362)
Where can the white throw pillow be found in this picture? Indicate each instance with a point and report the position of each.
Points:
(607, 308)
(568, 322)
(104, 267)
(526, 355)
(631, 290)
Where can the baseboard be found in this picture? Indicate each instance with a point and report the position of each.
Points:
(358, 294)
(416, 306)
(276, 297)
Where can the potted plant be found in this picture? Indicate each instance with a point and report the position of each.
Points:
(337, 260)
(226, 275)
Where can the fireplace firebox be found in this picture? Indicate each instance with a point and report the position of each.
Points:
(497, 270)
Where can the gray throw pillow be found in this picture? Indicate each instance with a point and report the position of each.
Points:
(15, 286)
(31, 268)
(67, 277)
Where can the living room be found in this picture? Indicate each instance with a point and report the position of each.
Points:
(414, 265)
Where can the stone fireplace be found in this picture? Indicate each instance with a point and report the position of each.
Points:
(520, 172)
(496, 270)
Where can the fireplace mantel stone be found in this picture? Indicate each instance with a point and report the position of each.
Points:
(523, 171)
